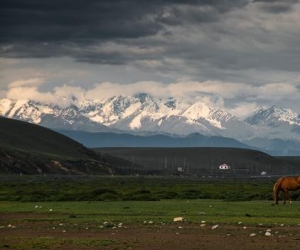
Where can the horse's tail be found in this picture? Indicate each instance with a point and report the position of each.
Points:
(276, 190)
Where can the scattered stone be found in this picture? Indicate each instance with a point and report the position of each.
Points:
(268, 234)
(178, 219)
(215, 226)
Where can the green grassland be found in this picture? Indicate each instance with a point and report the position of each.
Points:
(98, 203)
(134, 188)
(98, 216)
(157, 212)
(138, 199)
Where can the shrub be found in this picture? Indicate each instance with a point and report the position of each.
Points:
(100, 191)
(166, 195)
(108, 197)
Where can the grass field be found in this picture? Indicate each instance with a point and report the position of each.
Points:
(118, 188)
(35, 223)
(140, 212)
(138, 199)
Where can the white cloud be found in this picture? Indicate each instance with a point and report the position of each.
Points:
(243, 109)
(107, 89)
(68, 92)
(27, 82)
(277, 91)
(32, 93)
(239, 99)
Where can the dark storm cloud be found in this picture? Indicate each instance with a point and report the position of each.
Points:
(276, 6)
(35, 28)
(74, 20)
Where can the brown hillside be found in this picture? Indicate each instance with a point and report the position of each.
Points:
(31, 149)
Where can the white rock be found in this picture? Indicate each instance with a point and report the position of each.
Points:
(268, 234)
(178, 219)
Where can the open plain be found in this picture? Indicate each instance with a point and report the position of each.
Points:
(208, 224)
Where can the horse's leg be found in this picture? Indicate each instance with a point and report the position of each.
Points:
(276, 194)
(285, 196)
(288, 197)
(276, 197)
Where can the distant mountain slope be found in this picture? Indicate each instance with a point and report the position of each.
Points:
(93, 140)
(205, 161)
(32, 149)
(138, 113)
(143, 113)
(277, 123)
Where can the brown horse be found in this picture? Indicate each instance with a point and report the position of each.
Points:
(285, 184)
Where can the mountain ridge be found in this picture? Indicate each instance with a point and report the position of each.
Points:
(142, 113)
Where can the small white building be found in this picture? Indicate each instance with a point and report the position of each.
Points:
(224, 166)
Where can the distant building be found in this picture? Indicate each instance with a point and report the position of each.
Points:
(224, 166)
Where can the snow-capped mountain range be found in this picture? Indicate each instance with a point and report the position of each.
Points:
(144, 114)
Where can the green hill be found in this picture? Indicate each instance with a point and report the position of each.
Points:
(31, 149)
(205, 161)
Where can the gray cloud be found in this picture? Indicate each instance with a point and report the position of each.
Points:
(26, 26)
(276, 6)
(75, 20)
(131, 41)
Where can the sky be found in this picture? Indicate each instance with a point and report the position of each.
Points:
(231, 54)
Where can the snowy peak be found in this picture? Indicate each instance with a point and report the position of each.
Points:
(171, 103)
(114, 109)
(196, 111)
(273, 115)
(201, 112)
(144, 113)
